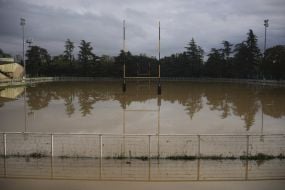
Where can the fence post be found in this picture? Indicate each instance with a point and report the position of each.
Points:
(247, 154)
(101, 155)
(247, 145)
(149, 146)
(5, 144)
(199, 146)
(149, 157)
(51, 144)
(101, 151)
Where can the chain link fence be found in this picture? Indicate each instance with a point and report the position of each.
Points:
(141, 146)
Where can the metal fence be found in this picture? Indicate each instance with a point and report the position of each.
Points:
(140, 146)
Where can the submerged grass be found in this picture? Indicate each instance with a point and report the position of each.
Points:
(31, 155)
(259, 156)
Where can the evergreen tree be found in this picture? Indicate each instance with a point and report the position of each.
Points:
(227, 68)
(38, 59)
(247, 57)
(194, 55)
(227, 50)
(85, 55)
(254, 55)
(68, 52)
(214, 63)
(273, 66)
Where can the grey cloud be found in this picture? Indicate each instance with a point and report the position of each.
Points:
(51, 22)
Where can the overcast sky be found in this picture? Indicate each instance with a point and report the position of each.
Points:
(49, 23)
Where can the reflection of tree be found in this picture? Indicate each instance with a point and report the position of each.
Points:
(225, 107)
(194, 104)
(273, 101)
(218, 98)
(87, 93)
(188, 94)
(245, 105)
(86, 101)
(69, 107)
(38, 97)
(236, 98)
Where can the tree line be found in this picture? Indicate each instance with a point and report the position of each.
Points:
(242, 60)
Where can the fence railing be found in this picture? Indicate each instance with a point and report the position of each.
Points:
(141, 145)
(12, 82)
(146, 157)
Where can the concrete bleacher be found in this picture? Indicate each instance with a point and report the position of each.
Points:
(10, 70)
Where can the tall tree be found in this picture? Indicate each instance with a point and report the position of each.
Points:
(273, 66)
(227, 49)
(85, 55)
(253, 50)
(195, 57)
(37, 59)
(68, 52)
(247, 57)
(214, 63)
(227, 69)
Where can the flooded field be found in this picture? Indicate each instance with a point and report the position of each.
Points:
(194, 131)
(183, 108)
(142, 170)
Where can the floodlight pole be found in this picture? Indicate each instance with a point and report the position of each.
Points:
(22, 23)
(159, 85)
(266, 24)
(124, 56)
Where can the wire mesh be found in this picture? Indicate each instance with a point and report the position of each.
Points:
(78, 145)
(271, 145)
(223, 146)
(141, 146)
(25, 144)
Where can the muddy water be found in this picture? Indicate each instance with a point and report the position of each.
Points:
(183, 108)
(102, 107)
(141, 170)
(47, 173)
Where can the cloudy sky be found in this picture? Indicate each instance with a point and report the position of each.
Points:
(49, 23)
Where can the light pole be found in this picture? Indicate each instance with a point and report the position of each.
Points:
(266, 24)
(23, 22)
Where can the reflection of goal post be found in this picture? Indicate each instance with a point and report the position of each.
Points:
(157, 111)
(140, 77)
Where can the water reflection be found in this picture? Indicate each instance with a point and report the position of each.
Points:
(10, 94)
(229, 100)
(138, 170)
(273, 101)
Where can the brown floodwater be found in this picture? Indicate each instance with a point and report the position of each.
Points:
(183, 108)
(100, 107)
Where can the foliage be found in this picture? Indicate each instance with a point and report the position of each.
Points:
(85, 55)
(247, 57)
(273, 66)
(68, 52)
(194, 54)
(38, 60)
(214, 64)
(242, 60)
